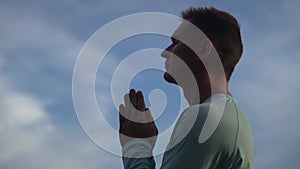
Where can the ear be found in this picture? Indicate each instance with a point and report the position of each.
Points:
(205, 49)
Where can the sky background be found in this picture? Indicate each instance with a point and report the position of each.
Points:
(39, 44)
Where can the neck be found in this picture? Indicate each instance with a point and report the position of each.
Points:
(205, 90)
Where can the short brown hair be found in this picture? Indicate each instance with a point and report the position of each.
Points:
(222, 29)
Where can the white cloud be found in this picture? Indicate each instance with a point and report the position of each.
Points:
(29, 137)
(23, 122)
(268, 88)
(22, 110)
(33, 40)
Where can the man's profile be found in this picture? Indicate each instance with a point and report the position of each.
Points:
(205, 85)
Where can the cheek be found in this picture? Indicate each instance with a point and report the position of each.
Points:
(178, 50)
(185, 53)
(176, 64)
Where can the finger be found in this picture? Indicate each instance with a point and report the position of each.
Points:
(127, 101)
(121, 114)
(128, 106)
(132, 96)
(141, 106)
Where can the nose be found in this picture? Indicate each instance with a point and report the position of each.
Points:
(166, 53)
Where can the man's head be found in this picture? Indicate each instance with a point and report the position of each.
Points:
(222, 31)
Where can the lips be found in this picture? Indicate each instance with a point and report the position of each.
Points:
(166, 65)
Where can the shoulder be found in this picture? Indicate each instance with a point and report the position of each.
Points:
(191, 116)
(186, 123)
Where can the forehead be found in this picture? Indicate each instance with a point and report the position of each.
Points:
(187, 31)
(180, 30)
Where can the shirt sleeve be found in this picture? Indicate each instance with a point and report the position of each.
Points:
(137, 154)
(183, 150)
(229, 146)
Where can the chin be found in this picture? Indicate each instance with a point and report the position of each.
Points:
(169, 78)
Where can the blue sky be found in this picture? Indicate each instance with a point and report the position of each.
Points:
(39, 44)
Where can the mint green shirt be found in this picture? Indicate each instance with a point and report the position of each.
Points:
(229, 146)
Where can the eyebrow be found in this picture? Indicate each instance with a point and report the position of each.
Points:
(173, 39)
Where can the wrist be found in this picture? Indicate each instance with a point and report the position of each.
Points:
(137, 148)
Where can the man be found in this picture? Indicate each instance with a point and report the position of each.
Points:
(213, 132)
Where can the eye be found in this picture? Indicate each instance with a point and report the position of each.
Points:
(174, 41)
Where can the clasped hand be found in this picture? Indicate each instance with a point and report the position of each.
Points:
(136, 120)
